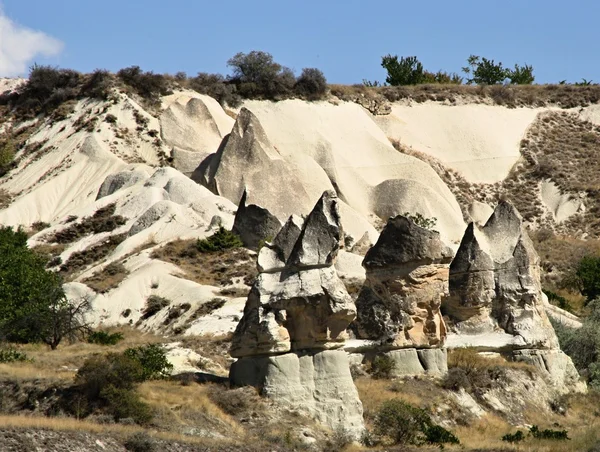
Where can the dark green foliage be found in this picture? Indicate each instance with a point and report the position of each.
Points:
(107, 383)
(33, 307)
(516, 437)
(215, 86)
(521, 75)
(140, 442)
(484, 71)
(105, 338)
(152, 359)
(103, 220)
(382, 367)
(583, 344)
(405, 424)
(219, 241)
(98, 84)
(154, 303)
(420, 220)
(257, 76)
(10, 355)
(148, 85)
(442, 77)
(406, 71)
(311, 84)
(548, 433)
(588, 275)
(558, 300)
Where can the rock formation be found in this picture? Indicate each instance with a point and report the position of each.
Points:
(496, 300)
(399, 304)
(295, 319)
(254, 224)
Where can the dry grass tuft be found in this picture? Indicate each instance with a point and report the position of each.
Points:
(216, 269)
(108, 278)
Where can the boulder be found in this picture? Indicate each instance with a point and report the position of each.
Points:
(406, 280)
(117, 181)
(555, 366)
(494, 282)
(254, 224)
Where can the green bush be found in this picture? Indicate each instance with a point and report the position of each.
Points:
(219, 241)
(521, 75)
(402, 423)
(153, 361)
(105, 338)
(381, 367)
(484, 71)
(588, 276)
(558, 300)
(148, 85)
(140, 442)
(311, 84)
(7, 154)
(10, 355)
(125, 403)
(406, 71)
(548, 433)
(420, 220)
(516, 437)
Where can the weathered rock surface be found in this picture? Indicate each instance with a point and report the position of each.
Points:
(406, 280)
(495, 282)
(254, 224)
(299, 303)
(555, 366)
(298, 310)
(318, 383)
(122, 179)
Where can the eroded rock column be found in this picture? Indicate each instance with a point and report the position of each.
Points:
(398, 308)
(288, 341)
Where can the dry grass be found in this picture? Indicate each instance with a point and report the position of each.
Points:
(5, 198)
(565, 96)
(468, 358)
(217, 269)
(216, 348)
(186, 406)
(80, 260)
(108, 278)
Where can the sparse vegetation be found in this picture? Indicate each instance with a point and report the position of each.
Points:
(420, 220)
(154, 304)
(219, 241)
(103, 220)
(153, 361)
(382, 367)
(108, 278)
(105, 338)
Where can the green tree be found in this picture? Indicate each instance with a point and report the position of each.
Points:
(588, 275)
(33, 306)
(521, 75)
(152, 359)
(484, 71)
(406, 71)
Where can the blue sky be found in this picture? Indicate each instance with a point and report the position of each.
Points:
(345, 39)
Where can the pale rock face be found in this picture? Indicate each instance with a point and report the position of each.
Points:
(495, 282)
(297, 312)
(298, 302)
(556, 366)
(318, 384)
(254, 224)
(406, 280)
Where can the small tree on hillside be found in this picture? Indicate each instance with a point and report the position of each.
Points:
(521, 75)
(406, 71)
(311, 84)
(588, 276)
(484, 71)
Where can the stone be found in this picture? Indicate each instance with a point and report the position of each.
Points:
(316, 383)
(300, 303)
(254, 224)
(494, 282)
(555, 366)
(406, 280)
(117, 181)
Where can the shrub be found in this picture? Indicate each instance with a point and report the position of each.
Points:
(234, 401)
(215, 86)
(147, 84)
(311, 84)
(257, 75)
(98, 85)
(407, 71)
(7, 154)
(124, 403)
(521, 75)
(548, 433)
(516, 437)
(382, 367)
(558, 300)
(140, 442)
(420, 220)
(219, 241)
(110, 118)
(10, 355)
(471, 372)
(154, 303)
(405, 424)
(484, 71)
(153, 361)
(105, 338)
(588, 275)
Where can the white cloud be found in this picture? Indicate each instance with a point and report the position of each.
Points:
(20, 45)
